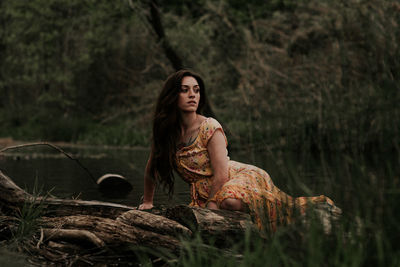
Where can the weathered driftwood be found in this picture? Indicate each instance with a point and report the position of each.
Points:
(88, 229)
(76, 227)
(201, 219)
(80, 236)
(12, 196)
(155, 223)
(222, 226)
(112, 233)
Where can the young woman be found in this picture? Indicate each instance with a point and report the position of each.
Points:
(195, 147)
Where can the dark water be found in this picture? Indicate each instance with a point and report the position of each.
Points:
(48, 170)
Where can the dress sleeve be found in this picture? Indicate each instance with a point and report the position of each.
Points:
(208, 130)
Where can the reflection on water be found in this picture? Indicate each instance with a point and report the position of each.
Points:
(52, 171)
(294, 173)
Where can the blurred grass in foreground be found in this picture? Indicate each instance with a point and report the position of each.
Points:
(367, 234)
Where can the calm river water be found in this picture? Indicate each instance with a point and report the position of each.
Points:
(52, 171)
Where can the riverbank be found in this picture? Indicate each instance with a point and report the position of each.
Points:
(365, 235)
(10, 142)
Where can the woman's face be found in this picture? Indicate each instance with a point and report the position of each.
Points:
(189, 95)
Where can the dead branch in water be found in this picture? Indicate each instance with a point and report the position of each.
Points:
(54, 147)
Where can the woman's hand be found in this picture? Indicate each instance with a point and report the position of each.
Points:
(146, 206)
(149, 188)
(212, 205)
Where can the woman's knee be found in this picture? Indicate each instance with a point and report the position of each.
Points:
(232, 204)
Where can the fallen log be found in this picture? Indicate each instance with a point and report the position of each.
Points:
(112, 233)
(221, 226)
(210, 221)
(155, 223)
(76, 227)
(12, 197)
(92, 231)
(79, 236)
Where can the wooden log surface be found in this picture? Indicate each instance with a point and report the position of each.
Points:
(222, 226)
(74, 235)
(176, 220)
(154, 223)
(113, 232)
(113, 228)
(11, 196)
(74, 226)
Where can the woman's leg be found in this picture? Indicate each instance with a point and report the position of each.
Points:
(233, 204)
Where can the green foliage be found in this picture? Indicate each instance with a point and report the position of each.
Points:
(28, 216)
(292, 74)
(119, 134)
(27, 221)
(315, 78)
(25, 226)
(63, 56)
(294, 245)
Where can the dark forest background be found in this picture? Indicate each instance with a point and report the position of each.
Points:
(297, 74)
(308, 90)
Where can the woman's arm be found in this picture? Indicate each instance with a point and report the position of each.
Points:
(219, 162)
(149, 187)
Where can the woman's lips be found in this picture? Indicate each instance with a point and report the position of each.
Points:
(192, 102)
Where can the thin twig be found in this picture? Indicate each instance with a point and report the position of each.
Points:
(41, 238)
(54, 147)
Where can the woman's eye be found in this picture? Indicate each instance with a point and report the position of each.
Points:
(197, 90)
(184, 90)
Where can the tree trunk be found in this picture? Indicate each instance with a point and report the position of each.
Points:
(155, 20)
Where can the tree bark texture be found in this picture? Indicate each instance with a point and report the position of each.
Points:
(72, 231)
(68, 230)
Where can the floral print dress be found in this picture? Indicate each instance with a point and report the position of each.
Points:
(248, 183)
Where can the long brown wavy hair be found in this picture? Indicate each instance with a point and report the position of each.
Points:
(167, 129)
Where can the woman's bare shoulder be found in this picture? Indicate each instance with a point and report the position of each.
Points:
(201, 120)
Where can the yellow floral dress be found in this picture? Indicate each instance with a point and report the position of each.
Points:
(248, 183)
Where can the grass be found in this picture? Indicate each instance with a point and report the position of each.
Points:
(27, 220)
(367, 234)
(25, 226)
(292, 245)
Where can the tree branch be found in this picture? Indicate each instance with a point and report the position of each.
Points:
(54, 147)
